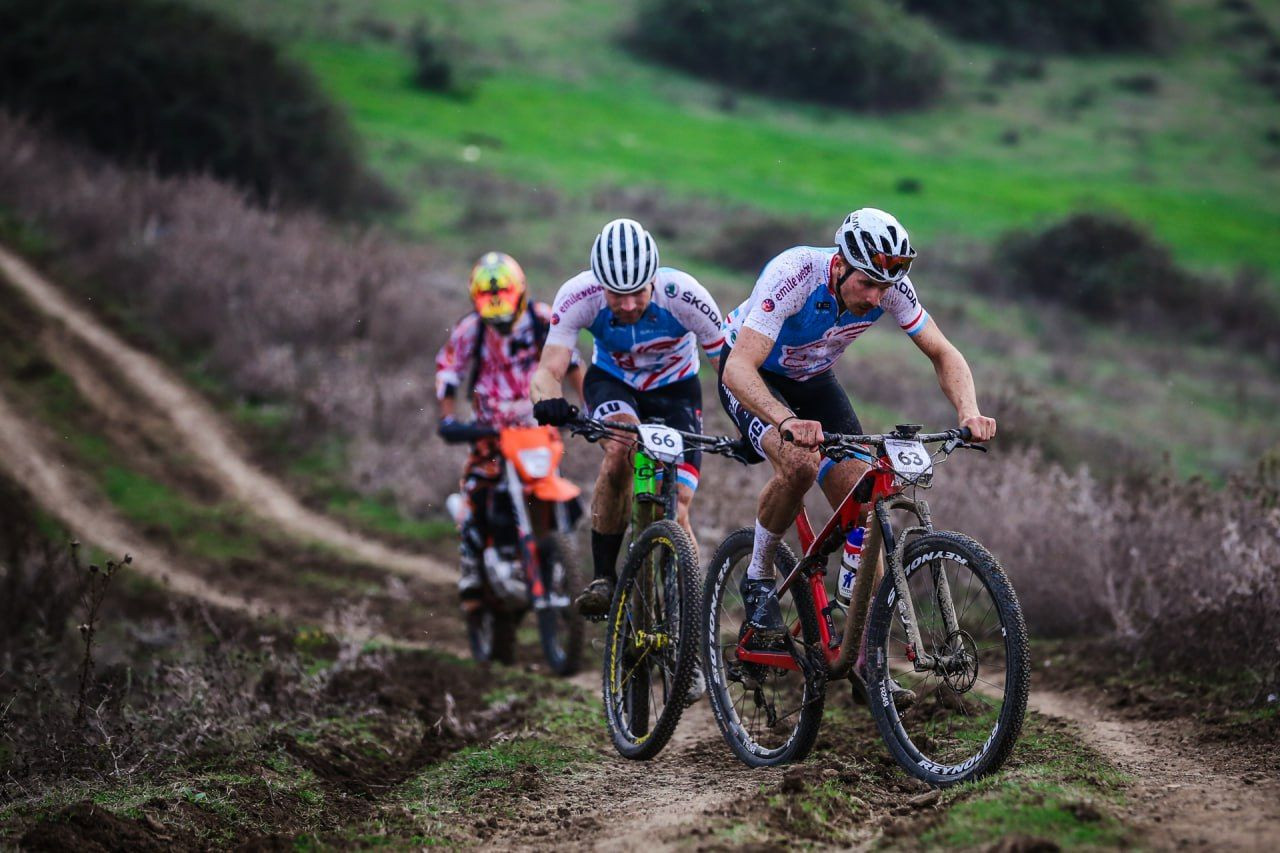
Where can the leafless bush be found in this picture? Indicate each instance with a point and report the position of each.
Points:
(1183, 575)
(93, 582)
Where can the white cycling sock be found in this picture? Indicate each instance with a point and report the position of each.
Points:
(762, 551)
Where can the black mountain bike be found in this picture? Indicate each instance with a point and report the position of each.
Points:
(651, 640)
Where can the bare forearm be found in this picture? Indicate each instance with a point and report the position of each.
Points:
(956, 381)
(545, 385)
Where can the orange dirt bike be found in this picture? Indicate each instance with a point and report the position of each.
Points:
(527, 562)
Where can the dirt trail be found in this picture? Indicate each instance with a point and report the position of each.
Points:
(1185, 793)
(621, 805)
(205, 437)
(28, 459)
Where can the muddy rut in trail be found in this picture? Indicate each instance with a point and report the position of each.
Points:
(618, 804)
(203, 434)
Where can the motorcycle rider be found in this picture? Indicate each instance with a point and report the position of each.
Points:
(491, 356)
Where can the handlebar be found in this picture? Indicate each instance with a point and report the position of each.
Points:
(593, 429)
(840, 445)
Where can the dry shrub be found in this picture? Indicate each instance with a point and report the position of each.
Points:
(1105, 265)
(856, 54)
(1181, 574)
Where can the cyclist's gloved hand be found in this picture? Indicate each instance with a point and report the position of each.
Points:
(554, 412)
(458, 432)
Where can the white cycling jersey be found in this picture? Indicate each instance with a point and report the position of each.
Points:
(659, 348)
(793, 305)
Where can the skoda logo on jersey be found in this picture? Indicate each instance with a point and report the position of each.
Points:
(766, 305)
(555, 319)
(671, 289)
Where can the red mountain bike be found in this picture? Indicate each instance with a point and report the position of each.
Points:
(945, 624)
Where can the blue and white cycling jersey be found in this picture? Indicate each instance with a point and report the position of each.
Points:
(656, 350)
(793, 305)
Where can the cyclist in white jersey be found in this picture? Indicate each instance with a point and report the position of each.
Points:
(647, 322)
(808, 305)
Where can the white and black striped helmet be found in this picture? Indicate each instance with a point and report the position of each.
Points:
(624, 257)
(876, 243)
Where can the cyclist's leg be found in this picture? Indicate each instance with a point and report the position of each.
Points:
(794, 472)
(608, 399)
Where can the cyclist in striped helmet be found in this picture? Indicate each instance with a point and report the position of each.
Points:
(648, 322)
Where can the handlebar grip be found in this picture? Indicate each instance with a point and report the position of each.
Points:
(966, 434)
(787, 436)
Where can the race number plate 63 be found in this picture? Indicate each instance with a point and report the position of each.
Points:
(910, 459)
(662, 443)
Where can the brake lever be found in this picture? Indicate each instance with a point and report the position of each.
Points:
(979, 447)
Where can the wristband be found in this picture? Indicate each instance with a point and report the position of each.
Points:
(783, 421)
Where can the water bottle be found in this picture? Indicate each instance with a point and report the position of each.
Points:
(849, 565)
(459, 508)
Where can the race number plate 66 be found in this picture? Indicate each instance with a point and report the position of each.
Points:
(910, 459)
(663, 443)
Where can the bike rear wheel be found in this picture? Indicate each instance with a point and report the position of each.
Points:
(651, 641)
(559, 628)
(970, 706)
(768, 715)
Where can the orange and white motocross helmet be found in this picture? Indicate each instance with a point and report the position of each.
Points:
(498, 290)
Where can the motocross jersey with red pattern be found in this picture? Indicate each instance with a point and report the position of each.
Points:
(506, 366)
(658, 349)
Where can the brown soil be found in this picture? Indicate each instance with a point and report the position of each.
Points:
(91, 828)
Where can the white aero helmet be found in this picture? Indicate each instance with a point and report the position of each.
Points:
(876, 243)
(624, 257)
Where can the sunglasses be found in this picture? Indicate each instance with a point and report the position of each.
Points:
(892, 265)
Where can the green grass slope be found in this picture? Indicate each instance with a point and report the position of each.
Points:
(556, 102)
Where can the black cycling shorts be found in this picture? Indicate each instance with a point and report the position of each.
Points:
(819, 398)
(678, 405)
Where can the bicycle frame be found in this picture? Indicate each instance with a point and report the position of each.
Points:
(877, 487)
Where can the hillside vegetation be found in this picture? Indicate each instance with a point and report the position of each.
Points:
(856, 54)
(1020, 139)
(183, 91)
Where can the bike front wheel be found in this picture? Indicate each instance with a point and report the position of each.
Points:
(768, 715)
(971, 696)
(492, 635)
(559, 627)
(651, 644)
